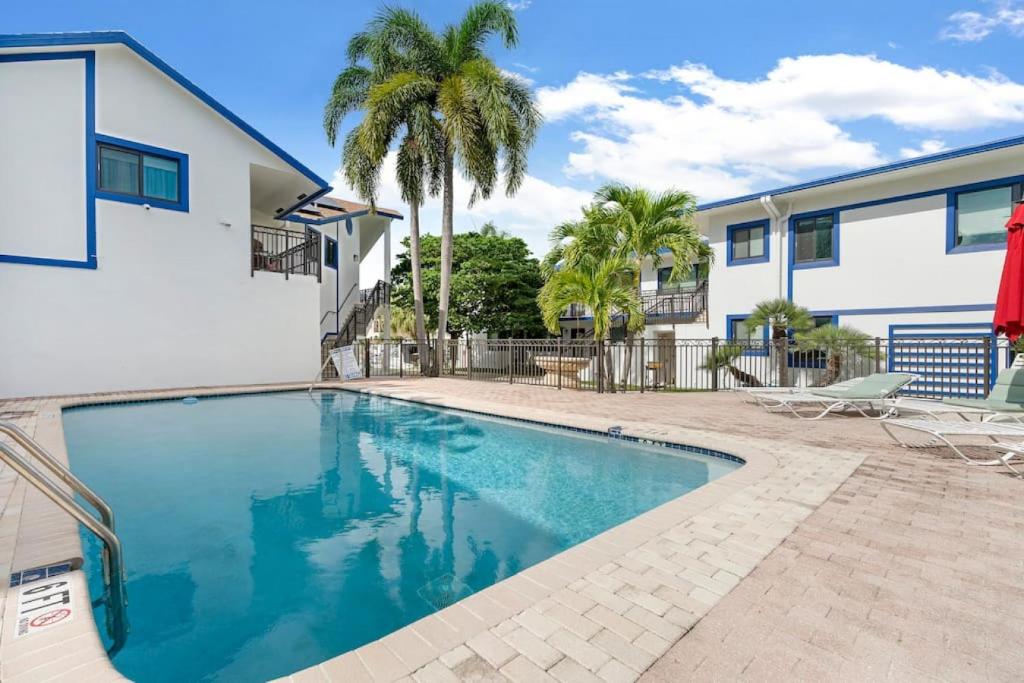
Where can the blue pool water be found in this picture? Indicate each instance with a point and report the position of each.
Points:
(267, 533)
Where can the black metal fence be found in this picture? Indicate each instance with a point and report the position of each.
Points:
(285, 251)
(944, 367)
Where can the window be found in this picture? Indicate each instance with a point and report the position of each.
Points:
(814, 239)
(689, 282)
(140, 174)
(331, 253)
(738, 331)
(748, 243)
(812, 358)
(980, 216)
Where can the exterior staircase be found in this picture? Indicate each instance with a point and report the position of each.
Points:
(356, 322)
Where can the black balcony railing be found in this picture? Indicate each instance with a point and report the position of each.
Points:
(285, 251)
(675, 303)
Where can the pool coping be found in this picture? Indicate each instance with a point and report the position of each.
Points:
(519, 626)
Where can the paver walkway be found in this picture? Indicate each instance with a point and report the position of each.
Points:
(912, 570)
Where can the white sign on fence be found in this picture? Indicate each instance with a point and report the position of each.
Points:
(345, 361)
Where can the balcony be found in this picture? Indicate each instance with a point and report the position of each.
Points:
(290, 252)
(667, 304)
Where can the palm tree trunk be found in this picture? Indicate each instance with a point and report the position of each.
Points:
(446, 256)
(417, 287)
(781, 348)
(628, 368)
(834, 368)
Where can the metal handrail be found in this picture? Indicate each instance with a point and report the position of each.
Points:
(113, 557)
(29, 444)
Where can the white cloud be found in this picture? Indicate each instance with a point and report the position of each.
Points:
(526, 80)
(926, 147)
(968, 26)
(519, 5)
(719, 137)
(530, 214)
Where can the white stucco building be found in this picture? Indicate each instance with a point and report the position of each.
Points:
(913, 248)
(161, 240)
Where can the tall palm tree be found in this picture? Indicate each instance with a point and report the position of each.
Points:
(372, 60)
(602, 285)
(487, 119)
(838, 343)
(634, 224)
(781, 315)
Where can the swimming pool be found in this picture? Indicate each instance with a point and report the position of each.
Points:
(267, 533)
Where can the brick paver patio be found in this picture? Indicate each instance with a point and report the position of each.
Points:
(832, 555)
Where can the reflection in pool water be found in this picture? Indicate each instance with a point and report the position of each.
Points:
(266, 533)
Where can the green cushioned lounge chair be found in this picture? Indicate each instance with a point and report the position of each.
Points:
(869, 394)
(1007, 396)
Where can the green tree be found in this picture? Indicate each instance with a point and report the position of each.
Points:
(724, 358)
(633, 224)
(489, 229)
(836, 343)
(781, 315)
(605, 287)
(403, 321)
(373, 59)
(487, 119)
(494, 285)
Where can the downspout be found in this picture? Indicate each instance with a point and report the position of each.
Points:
(779, 220)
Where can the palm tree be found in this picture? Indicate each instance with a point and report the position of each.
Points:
(781, 315)
(489, 229)
(488, 120)
(634, 224)
(724, 359)
(403, 321)
(372, 60)
(602, 285)
(837, 342)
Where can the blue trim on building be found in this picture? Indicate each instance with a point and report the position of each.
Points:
(791, 264)
(952, 198)
(331, 219)
(730, 229)
(180, 157)
(283, 215)
(89, 61)
(951, 308)
(740, 317)
(330, 246)
(113, 37)
(876, 170)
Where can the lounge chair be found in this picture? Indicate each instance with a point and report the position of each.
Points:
(940, 434)
(753, 392)
(868, 394)
(1007, 396)
(925, 407)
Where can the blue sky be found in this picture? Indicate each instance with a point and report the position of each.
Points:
(720, 98)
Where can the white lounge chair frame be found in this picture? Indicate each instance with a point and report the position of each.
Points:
(941, 433)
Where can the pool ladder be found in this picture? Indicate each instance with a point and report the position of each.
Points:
(114, 595)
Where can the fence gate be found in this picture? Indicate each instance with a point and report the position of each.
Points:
(953, 359)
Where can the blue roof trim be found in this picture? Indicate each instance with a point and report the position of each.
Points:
(110, 37)
(334, 219)
(875, 170)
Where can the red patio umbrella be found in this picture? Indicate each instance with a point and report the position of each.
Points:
(1009, 317)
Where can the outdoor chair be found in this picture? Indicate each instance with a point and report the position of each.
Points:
(866, 395)
(941, 433)
(1007, 396)
(753, 392)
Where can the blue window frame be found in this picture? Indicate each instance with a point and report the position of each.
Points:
(141, 174)
(814, 240)
(976, 218)
(330, 252)
(812, 358)
(736, 330)
(747, 243)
